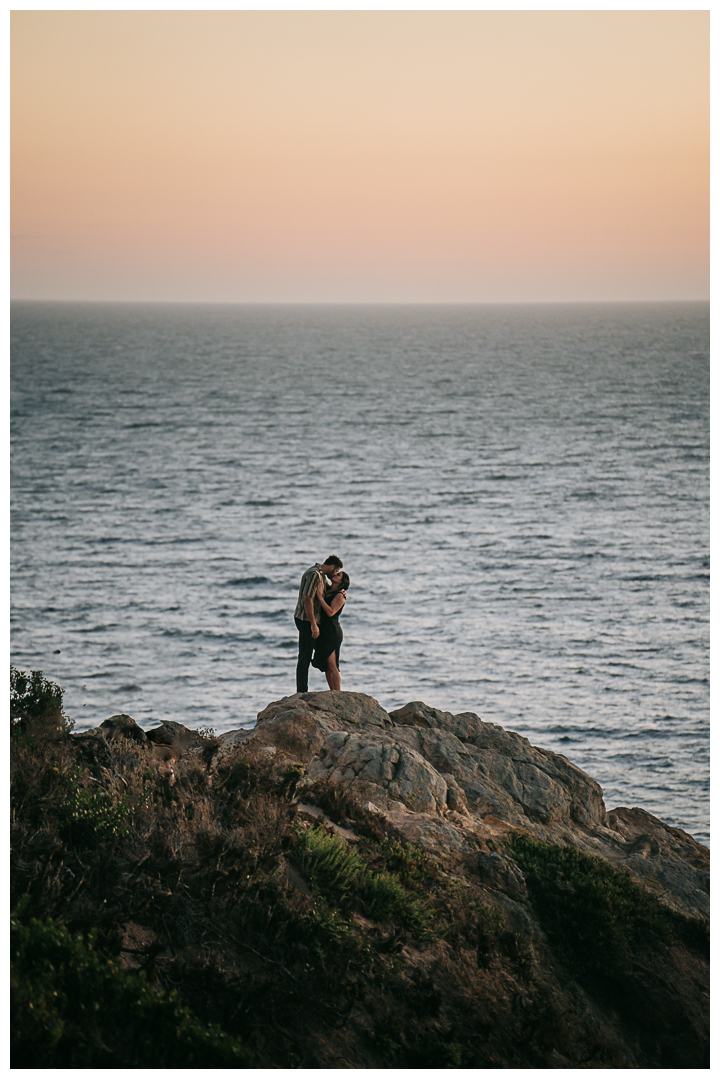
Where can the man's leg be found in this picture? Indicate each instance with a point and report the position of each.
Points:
(305, 651)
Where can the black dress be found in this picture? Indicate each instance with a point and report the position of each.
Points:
(328, 641)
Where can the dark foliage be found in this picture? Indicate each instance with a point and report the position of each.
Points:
(72, 1010)
(35, 700)
(594, 911)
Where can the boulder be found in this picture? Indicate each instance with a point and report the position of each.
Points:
(175, 738)
(667, 859)
(453, 782)
(377, 767)
(501, 772)
(122, 726)
(401, 760)
(300, 723)
(95, 745)
(164, 744)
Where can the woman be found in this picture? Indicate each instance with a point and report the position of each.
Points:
(327, 644)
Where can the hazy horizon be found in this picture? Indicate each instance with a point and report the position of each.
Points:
(367, 303)
(360, 157)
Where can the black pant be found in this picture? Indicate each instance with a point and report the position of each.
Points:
(305, 651)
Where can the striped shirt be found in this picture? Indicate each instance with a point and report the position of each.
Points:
(309, 587)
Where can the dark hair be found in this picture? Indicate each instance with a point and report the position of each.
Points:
(332, 560)
(345, 582)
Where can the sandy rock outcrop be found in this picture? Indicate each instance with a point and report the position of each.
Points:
(453, 782)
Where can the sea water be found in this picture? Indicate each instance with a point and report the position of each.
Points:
(519, 495)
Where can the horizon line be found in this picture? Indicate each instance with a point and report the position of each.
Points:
(358, 303)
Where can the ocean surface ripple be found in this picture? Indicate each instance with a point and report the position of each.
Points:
(519, 493)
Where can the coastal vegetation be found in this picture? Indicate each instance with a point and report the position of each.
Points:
(72, 1009)
(195, 914)
(594, 912)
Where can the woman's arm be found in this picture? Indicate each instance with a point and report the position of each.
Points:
(337, 602)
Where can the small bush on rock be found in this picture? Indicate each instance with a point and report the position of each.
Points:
(329, 862)
(90, 817)
(36, 702)
(411, 864)
(590, 909)
(338, 871)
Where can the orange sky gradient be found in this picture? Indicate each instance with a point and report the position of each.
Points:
(332, 156)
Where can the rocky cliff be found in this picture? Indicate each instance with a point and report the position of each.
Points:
(343, 887)
(463, 790)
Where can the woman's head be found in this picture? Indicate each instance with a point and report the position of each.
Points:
(340, 580)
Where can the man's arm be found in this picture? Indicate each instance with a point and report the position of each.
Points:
(309, 606)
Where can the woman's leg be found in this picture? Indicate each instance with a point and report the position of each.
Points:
(333, 673)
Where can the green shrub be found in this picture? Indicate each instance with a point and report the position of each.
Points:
(591, 910)
(332, 867)
(489, 920)
(388, 902)
(40, 751)
(385, 896)
(72, 1010)
(386, 1046)
(412, 865)
(328, 933)
(92, 816)
(35, 702)
(337, 871)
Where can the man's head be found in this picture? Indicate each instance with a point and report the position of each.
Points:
(331, 563)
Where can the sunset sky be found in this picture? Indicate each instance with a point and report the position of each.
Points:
(332, 156)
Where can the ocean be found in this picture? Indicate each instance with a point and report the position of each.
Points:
(520, 495)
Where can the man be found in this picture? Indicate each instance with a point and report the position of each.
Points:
(307, 612)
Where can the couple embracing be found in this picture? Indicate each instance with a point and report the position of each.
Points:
(323, 591)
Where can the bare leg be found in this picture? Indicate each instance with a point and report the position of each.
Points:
(333, 673)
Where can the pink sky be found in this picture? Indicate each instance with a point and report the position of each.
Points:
(329, 156)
